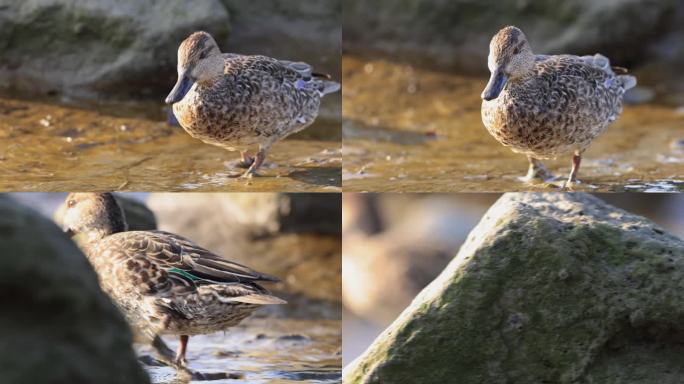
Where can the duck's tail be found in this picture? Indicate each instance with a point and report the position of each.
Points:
(321, 81)
(329, 86)
(626, 81)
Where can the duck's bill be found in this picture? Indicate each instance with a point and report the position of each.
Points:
(182, 87)
(68, 231)
(495, 85)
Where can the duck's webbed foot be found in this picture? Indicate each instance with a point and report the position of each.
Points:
(177, 360)
(537, 172)
(168, 357)
(258, 161)
(246, 160)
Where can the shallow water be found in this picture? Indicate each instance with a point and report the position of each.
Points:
(58, 145)
(263, 351)
(407, 129)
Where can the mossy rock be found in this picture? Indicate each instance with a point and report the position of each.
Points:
(112, 48)
(57, 324)
(548, 288)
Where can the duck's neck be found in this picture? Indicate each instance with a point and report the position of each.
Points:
(96, 234)
(111, 221)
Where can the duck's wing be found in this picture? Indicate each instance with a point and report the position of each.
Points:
(297, 73)
(159, 262)
(595, 69)
(178, 253)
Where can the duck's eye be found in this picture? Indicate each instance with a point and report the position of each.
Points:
(71, 203)
(516, 51)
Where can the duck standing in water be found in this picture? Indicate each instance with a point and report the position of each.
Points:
(243, 102)
(163, 283)
(547, 105)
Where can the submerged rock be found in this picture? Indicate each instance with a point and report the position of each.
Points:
(556, 288)
(57, 325)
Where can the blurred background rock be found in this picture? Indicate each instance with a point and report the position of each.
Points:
(127, 48)
(454, 34)
(394, 245)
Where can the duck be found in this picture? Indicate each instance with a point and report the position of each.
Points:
(163, 283)
(243, 102)
(545, 106)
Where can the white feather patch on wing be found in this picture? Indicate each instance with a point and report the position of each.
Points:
(254, 299)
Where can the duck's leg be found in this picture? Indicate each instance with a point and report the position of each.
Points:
(572, 179)
(246, 160)
(180, 355)
(536, 172)
(166, 355)
(258, 160)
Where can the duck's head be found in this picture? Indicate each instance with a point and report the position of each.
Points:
(199, 59)
(510, 58)
(95, 214)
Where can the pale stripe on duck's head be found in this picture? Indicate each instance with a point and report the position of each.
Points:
(198, 59)
(93, 213)
(510, 57)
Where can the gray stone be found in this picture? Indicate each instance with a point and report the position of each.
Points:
(99, 47)
(555, 288)
(57, 325)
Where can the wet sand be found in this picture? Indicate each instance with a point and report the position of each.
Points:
(50, 145)
(264, 351)
(414, 130)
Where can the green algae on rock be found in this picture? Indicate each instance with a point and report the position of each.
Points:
(57, 325)
(557, 288)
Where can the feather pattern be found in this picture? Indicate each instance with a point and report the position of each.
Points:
(559, 104)
(254, 101)
(166, 282)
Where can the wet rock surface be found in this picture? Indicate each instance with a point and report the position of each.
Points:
(560, 288)
(263, 351)
(57, 325)
(129, 146)
(295, 237)
(410, 129)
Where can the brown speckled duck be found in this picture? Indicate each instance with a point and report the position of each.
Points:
(164, 283)
(544, 106)
(241, 102)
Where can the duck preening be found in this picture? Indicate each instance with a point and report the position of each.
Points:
(162, 282)
(545, 106)
(242, 102)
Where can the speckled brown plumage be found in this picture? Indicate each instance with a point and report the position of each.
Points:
(164, 283)
(244, 102)
(549, 105)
